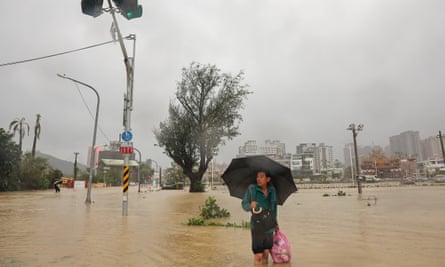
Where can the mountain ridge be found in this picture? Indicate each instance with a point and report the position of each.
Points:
(67, 167)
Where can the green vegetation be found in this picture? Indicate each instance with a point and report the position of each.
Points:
(211, 210)
(205, 115)
(9, 162)
(340, 193)
(23, 172)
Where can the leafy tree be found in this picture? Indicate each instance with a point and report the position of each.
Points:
(205, 115)
(20, 126)
(36, 135)
(9, 162)
(54, 175)
(34, 172)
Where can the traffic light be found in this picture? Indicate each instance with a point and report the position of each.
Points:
(129, 8)
(92, 7)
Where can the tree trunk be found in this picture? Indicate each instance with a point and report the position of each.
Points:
(33, 152)
(195, 183)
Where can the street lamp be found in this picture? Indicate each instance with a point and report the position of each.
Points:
(160, 171)
(90, 179)
(75, 164)
(357, 166)
(139, 169)
(441, 146)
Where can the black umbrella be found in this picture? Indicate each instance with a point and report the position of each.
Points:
(242, 172)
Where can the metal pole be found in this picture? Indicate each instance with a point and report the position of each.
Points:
(139, 170)
(160, 176)
(441, 146)
(352, 164)
(357, 166)
(75, 164)
(211, 183)
(128, 105)
(90, 179)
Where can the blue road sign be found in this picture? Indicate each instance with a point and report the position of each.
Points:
(127, 136)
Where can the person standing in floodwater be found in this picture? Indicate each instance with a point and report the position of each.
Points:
(56, 185)
(261, 196)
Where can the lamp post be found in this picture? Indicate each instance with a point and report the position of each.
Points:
(154, 171)
(441, 146)
(139, 169)
(357, 166)
(75, 164)
(352, 164)
(90, 179)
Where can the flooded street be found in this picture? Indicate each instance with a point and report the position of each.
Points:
(405, 226)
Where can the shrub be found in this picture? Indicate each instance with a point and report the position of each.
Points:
(340, 193)
(211, 210)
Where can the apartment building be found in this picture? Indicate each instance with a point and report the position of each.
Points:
(406, 144)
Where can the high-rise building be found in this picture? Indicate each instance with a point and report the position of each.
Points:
(272, 148)
(431, 148)
(348, 154)
(324, 158)
(315, 157)
(406, 144)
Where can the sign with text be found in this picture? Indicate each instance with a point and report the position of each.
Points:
(126, 150)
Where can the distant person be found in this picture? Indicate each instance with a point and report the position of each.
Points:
(56, 185)
(261, 198)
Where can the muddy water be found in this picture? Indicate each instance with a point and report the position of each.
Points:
(405, 226)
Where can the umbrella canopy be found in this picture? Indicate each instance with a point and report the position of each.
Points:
(242, 172)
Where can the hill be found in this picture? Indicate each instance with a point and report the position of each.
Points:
(67, 167)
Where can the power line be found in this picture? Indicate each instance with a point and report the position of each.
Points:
(91, 113)
(54, 55)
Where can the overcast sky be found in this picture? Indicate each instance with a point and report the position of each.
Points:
(314, 67)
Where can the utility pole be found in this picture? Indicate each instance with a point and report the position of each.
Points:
(130, 9)
(139, 169)
(90, 179)
(357, 166)
(75, 164)
(441, 146)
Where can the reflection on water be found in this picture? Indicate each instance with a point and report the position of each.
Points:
(405, 227)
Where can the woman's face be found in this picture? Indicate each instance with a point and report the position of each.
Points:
(262, 179)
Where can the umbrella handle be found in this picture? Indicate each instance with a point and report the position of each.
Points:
(257, 212)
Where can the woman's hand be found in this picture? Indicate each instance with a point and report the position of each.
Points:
(253, 204)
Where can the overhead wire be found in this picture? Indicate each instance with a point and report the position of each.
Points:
(91, 113)
(54, 55)
(64, 53)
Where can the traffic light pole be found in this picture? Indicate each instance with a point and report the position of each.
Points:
(128, 106)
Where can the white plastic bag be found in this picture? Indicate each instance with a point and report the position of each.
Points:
(281, 252)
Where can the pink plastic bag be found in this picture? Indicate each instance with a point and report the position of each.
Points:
(281, 248)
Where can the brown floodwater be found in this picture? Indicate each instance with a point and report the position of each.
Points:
(404, 226)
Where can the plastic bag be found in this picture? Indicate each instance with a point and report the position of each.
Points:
(281, 252)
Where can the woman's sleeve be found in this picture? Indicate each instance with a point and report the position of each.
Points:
(247, 199)
(274, 204)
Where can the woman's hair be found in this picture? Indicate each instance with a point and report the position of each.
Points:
(265, 172)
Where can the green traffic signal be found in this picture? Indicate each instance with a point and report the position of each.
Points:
(132, 14)
(129, 8)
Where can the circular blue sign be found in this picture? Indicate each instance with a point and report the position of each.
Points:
(127, 136)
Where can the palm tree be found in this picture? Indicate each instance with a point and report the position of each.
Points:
(36, 135)
(18, 125)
